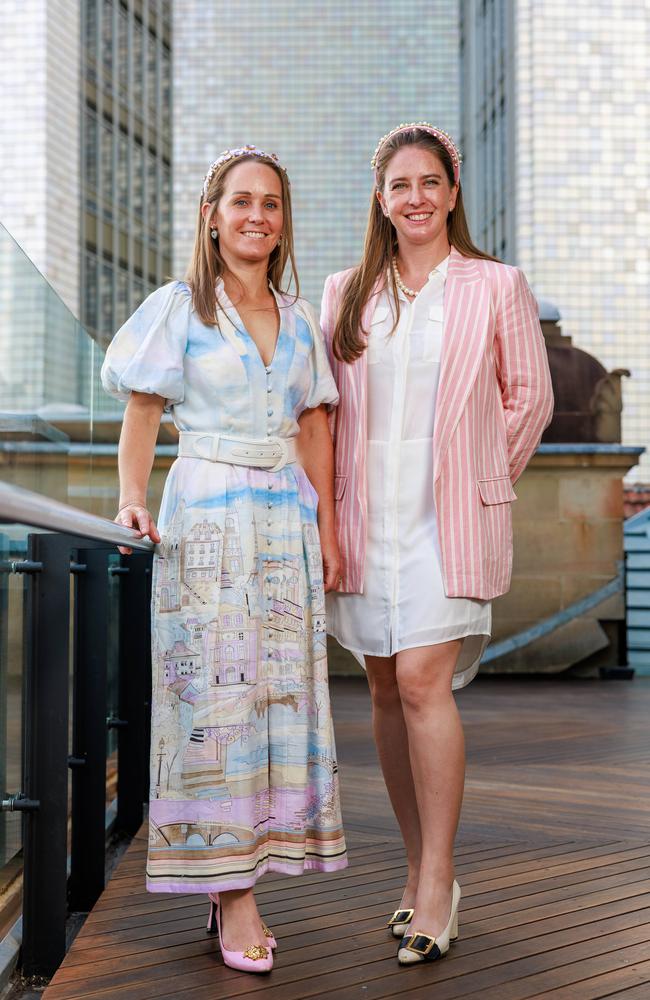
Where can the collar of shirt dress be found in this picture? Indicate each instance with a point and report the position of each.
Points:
(420, 321)
(404, 363)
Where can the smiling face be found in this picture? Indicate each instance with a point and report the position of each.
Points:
(249, 215)
(417, 196)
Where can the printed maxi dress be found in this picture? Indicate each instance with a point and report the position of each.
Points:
(243, 763)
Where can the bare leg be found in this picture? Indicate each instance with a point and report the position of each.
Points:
(390, 734)
(437, 752)
(240, 920)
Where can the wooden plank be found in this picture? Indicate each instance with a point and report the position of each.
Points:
(638, 618)
(636, 542)
(553, 907)
(630, 983)
(637, 599)
(639, 659)
(638, 638)
(638, 559)
(132, 906)
(103, 973)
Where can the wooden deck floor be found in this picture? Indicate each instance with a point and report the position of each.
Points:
(553, 860)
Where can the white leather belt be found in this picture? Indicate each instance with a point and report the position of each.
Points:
(272, 454)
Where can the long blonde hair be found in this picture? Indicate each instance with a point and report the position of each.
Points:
(207, 265)
(349, 340)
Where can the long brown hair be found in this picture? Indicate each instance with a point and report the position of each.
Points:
(207, 265)
(349, 340)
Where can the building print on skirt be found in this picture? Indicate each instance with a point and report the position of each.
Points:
(240, 687)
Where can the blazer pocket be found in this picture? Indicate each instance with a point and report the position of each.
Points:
(340, 482)
(496, 490)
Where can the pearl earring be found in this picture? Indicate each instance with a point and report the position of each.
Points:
(214, 233)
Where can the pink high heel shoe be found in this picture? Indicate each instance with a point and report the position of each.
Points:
(212, 922)
(255, 959)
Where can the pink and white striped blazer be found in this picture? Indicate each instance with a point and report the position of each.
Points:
(494, 401)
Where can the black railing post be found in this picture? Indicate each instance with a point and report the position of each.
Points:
(45, 754)
(88, 760)
(4, 672)
(135, 692)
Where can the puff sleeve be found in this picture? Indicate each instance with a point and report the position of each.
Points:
(146, 353)
(322, 387)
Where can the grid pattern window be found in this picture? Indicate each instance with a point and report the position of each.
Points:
(486, 39)
(318, 84)
(583, 157)
(126, 158)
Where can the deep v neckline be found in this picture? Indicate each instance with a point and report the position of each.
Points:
(240, 326)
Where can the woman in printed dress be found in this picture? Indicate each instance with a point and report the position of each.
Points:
(243, 765)
(445, 391)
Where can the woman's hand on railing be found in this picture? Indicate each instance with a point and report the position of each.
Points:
(135, 515)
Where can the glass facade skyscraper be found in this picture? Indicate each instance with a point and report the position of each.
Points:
(126, 150)
(487, 45)
(318, 84)
(556, 142)
(85, 177)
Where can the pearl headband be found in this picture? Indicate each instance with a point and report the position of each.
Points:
(439, 134)
(233, 154)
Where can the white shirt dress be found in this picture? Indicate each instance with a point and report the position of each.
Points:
(404, 604)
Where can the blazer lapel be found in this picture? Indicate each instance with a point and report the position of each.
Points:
(465, 323)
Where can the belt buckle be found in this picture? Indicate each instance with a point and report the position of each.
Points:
(284, 454)
(212, 450)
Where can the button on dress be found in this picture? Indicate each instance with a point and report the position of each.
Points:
(404, 604)
(243, 763)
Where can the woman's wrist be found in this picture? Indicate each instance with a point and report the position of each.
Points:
(327, 533)
(133, 502)
(326, 526)
(325, 515)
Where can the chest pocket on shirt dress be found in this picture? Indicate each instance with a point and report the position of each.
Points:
(426, 340)
(379, 339)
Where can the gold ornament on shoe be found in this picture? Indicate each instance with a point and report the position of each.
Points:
(266, 931)
(420, 943)
(256, 952)
(403, 916)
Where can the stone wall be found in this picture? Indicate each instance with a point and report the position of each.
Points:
(568, 540)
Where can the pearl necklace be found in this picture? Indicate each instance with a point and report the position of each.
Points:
(400, 284)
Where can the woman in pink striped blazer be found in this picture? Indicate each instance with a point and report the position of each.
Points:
(444, 390)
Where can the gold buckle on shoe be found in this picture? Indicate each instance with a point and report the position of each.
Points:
(401, 917)
(421, 944)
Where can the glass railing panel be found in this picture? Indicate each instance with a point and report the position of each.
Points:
(58, 438)
(53, 412)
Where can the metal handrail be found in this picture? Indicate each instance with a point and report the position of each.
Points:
(34, 510)
(563, 617)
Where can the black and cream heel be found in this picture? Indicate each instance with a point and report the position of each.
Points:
(421, 947)
(399, 922)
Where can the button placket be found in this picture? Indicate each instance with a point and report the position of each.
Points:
(269, 390)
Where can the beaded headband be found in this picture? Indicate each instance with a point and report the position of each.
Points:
(439, 134)
(233, 154)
